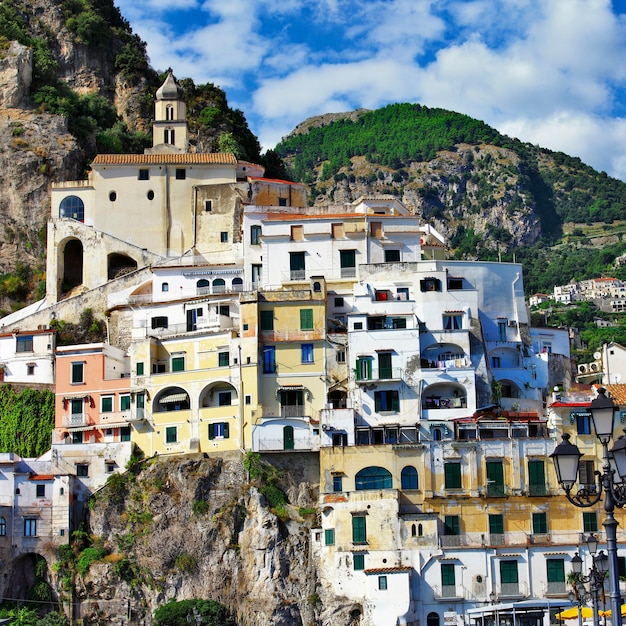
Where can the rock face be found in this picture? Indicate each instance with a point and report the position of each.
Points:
(16, 72)
(195, 527)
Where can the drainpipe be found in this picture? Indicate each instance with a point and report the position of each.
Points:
(168, 216)
(194, 217)
(241, 441)
(517, 277)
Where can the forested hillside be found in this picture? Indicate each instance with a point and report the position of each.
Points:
(493, 196)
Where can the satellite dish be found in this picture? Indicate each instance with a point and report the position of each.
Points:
(596, 355)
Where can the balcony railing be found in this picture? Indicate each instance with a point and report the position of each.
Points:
(537, 490)
(77, 419)
(510, 589)
(496, 539)
(556, 588)
(292, 410)
(448, 591)
(280, 445)
(380, 373)
(445, 403)
(496, 491)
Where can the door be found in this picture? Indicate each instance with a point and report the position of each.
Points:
(288, 440)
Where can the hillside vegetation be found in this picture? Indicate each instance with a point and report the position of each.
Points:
(494, 197)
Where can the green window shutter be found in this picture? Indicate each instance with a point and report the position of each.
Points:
(590, 522)
(306, 319)
(508, 572)
(540, 523)
(124, 403)
(329, 537)
(359, 562)
(452, 525)
(267, 320)
(395, 401)
(452, 475)
(447, 575)
(556, 570)
(170, 434)
(178, 364)
(140, 368)
(359, 534)
(496, 524)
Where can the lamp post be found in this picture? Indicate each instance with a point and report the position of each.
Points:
(595, 579)
(610, 481)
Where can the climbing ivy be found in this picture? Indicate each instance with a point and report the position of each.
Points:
(26, 421)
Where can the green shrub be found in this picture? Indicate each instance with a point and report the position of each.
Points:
(181, 613)
(200, 507)
(186, 562)
(89, 556)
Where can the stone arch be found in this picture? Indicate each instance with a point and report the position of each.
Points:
(72, 207)
(119, 264)
(30, 575)
(72, 264)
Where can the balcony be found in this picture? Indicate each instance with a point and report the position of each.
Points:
(493, 490)
(510, 590)
(77, 419)
(298, 444)
(447, 592)
(443, 402)
(382, 373)
(537, 490)
(558, 588)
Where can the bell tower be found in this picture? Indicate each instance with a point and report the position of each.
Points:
(170, 117)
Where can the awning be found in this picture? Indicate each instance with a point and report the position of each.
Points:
(174, 397)
(78, 429)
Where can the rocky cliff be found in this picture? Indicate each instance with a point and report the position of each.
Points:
(196, 527)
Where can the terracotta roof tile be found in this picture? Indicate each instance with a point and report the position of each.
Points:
(618, 393)
(389, 570)
(183, 158)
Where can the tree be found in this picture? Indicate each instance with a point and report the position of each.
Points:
(200, 612)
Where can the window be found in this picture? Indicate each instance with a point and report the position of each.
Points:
(447, 575)
(30, 369)
(269, 360)
(358, 562)
(359, 532)
(109, 467)
(364, 368)
(223, 309)
(373, 478)
(112, 196)
(144, 174)
(306, 319)
(555, 571)
(502, 330)
(267, 320)
(402, 293)
(384, 365)
(297, 232)
(282, 201)
(409, 477)
(387, 400)
(224, 398)
(337, 483)
(590, 522)
(208, 205)
(452, 525)
(376, 229)
(41, 491)
(125, 402)
(248, 399)
(508, 576)
(340, 355)
(224, 236)
(106, 404)
(178, 364)
(160, 321)
(329, 537)
(536, 478)
(495, 479)
(586, 474)
(392, 256)
(337, 231)
(255, 235)
(452, 321)
(296, 266)
(495, 362)
(583, 423)
(219, 430)
(24, 343)
(3, 527)
(169, 136)
(140, 368)
(171, 434)
(307, 352)
(452, 475)
(78, 373)
(77, 437)
(430, 284)
(382, 583)
(125, 430)
(30, 527)
(169, 112)
(339, 303)
(82, 470)
(496, 524)
(223, 359)
(165, 287)
(347, 263)
(358, 325)
(72, 207)
(181, 173)
(455, 283)
(540, 523)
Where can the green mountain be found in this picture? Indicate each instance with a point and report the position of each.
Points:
(492, 195)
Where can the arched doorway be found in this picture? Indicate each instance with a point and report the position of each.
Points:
(120, 264)
(432, 619)
(288, 438)
(72, 265)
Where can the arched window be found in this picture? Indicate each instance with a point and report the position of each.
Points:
(409, 477)
(413, 530)
(165, 287)
(202, 286)
(73, 207)
(3, 527)
(168, 136)
(373, 478)
(219, 285)
(169, 112)
(420, 530)
(237, 284)
(317, 286)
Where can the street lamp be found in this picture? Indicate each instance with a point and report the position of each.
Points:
(566, 457)
(595, 578)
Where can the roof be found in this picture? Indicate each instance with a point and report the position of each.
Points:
(275, 180)
(174, 158)
(618, 393)
(389, 570)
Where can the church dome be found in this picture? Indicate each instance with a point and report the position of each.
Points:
(169, 90)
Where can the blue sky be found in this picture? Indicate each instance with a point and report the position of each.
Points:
(549, 72)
